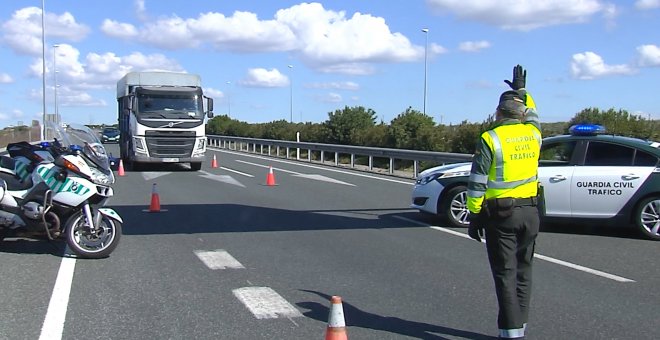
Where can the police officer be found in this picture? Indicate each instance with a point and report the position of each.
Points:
(502, 199)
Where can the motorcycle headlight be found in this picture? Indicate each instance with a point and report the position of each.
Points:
(100, 178)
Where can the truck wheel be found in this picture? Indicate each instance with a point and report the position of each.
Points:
(647, 218)
(196, 166)
(453, 207)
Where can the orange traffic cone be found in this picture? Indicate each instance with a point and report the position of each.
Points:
(336, 329)
(155, 200)
(120, 172)
(214, 162)
(270, 178)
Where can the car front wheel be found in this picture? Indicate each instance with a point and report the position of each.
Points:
(454, 207)
(647, 218)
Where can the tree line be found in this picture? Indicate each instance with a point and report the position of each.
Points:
(415, 130)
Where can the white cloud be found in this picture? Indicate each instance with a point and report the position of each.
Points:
(345, 85)
(326, 40)
(77, 75)
(437, 49)
(22, 32)
(521, 14)
(649, 55)
(141, 10)
(473, 46)
(261, 77)
(331, 98)
(5, 78)
(589, 65)
(213, 93)
(647, 4)
(116, 29)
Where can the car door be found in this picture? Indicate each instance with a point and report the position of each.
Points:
(607, 180)
(555, 172)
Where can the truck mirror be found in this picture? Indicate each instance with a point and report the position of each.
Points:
(209, 106)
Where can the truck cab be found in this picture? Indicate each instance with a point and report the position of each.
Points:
(162, 118)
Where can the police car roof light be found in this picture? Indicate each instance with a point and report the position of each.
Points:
(586, 129)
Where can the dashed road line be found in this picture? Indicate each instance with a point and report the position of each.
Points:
(539, 256)
(218, 259)
(265, 303)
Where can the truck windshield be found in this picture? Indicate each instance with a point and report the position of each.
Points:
(170, 106)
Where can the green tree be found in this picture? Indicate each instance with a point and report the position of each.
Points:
(412, 129)
(347, 126)
(618, 122)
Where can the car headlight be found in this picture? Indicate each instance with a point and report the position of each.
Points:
(427, 179)
(455, 174)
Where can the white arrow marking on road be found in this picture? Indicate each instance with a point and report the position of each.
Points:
(218, 259)
(265, 303)
(221, 178)
(149, 175)
(323, 178)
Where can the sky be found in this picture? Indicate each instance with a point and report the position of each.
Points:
(263, 61)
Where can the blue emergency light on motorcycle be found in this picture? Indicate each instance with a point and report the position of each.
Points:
(586, 130)
(44, 145)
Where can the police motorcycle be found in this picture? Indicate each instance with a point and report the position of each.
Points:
(58, 191)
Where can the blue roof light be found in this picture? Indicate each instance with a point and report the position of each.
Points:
(586, 130)
(44, 144)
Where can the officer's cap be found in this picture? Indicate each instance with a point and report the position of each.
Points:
(512, 104)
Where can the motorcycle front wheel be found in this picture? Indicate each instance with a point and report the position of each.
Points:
(92, 244)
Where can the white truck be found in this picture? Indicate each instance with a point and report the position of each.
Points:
(162, 118)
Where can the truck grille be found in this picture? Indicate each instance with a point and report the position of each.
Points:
(170, 143)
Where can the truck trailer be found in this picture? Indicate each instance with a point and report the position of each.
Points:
(162, 119)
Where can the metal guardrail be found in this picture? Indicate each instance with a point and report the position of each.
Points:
(396, 162)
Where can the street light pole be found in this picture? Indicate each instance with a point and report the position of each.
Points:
(426, 47)
(290, 95)
(228, 100)
(57, 111)
(43, 71)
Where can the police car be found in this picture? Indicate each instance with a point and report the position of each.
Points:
(586, 175)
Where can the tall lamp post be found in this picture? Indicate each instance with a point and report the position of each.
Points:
(55, 71)
(43, 71)
(426, 47)
(290, 95)
(228, 100)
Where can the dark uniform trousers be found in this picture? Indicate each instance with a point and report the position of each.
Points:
(510, 244)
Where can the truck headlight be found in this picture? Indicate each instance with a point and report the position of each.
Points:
(138, 143)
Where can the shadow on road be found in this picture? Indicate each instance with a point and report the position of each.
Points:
(227, 218)
(356, 317)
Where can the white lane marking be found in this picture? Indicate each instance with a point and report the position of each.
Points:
(538, 256)
(218, 259)
(221, 178)
(236, 172)
(268, 166)
(297, 174)
(53, 325)
(265, 303)
(324, 179)
(149, 175)
(326, 168)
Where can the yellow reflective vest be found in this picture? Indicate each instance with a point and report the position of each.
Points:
(514, 154)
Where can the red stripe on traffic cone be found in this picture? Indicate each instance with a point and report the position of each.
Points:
(336, 329)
